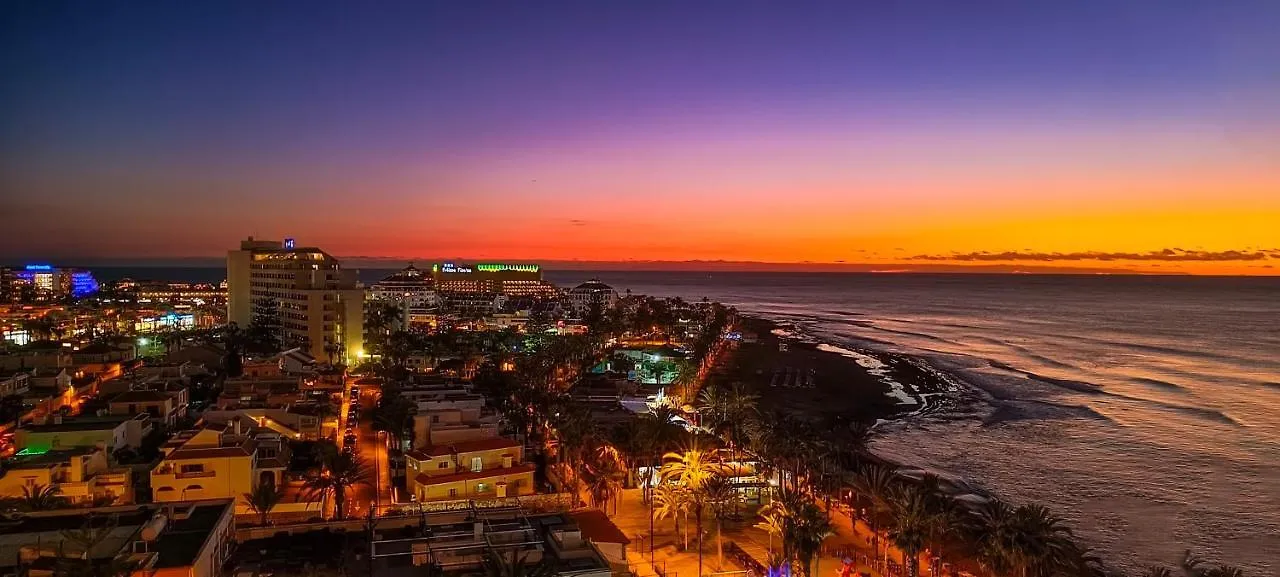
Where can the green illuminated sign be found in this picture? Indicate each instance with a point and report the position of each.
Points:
(502, 267)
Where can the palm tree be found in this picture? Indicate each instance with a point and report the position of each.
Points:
(498, 565)
(806, 528)
(1194, 566)
(603, 475)
(909, 507)
(722, 497)
(773, 519)
(671, 501)
(875, 483)
(93, 532)
(687, 376)
(1047, 545)
(263, 499)
(42, 497)
(339, 474)
(693, 469)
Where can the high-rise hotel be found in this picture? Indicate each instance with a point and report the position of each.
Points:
(316, 303)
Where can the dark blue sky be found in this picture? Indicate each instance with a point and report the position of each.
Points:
(131, 104)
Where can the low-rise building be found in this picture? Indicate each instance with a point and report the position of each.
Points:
(479, 469)
(592, 293)
(164, 406)
(161, 540)
(55, 432)
(555, 542)
(81, 475)
(17, 382)
(223, 461)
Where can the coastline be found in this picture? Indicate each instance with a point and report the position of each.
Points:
(813, 379)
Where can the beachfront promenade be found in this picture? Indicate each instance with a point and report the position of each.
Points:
(632, 517)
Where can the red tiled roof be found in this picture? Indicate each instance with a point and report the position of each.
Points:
(424, 479)
(494, 444)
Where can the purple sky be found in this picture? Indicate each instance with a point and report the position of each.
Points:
(396, 129)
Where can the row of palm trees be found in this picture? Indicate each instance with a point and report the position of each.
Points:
(814, 463)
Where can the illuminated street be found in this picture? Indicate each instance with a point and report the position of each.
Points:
(372, 451)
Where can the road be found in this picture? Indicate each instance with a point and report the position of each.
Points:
(371, 447)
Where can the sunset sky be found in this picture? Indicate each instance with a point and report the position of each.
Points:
(1121, 134)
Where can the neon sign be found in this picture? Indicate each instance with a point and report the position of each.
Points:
(288, 243)
(449, 267)
(39, 267)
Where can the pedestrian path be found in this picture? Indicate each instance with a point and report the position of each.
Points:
(669, 558)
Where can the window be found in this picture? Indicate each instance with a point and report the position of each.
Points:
(477, 464)
(453, 492)
(444, 465)
(435, 418)
(482, 487)
(191, 469)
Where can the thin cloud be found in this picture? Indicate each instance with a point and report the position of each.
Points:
(1168, 255)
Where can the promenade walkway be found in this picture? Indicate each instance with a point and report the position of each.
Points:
(670, 559)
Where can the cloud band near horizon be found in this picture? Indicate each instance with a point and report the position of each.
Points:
(1168, 255)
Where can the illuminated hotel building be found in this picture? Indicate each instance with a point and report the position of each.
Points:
(413, 290)
(319, 305)
(491, 279)
(46, 282)
(179, 293)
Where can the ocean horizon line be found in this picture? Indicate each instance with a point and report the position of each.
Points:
(692, 266)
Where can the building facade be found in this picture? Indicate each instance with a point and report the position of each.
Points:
(479, 469)
(302, 293)
(82, 475)
(220, 463)
(592, 293)
(491, 279)
(43, 283)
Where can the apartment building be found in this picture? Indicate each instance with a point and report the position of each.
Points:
(82, 475)
(478, 469)
(55, 432)
(303, 291)
(223, 461)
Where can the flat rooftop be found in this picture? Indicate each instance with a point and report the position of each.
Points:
(69, 424)
(177, 546)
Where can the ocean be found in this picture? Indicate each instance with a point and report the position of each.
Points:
(1145, 410)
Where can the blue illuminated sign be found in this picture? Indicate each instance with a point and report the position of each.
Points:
(35, 267)
(288, 243)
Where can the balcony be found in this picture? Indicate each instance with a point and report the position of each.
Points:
(195, 474)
